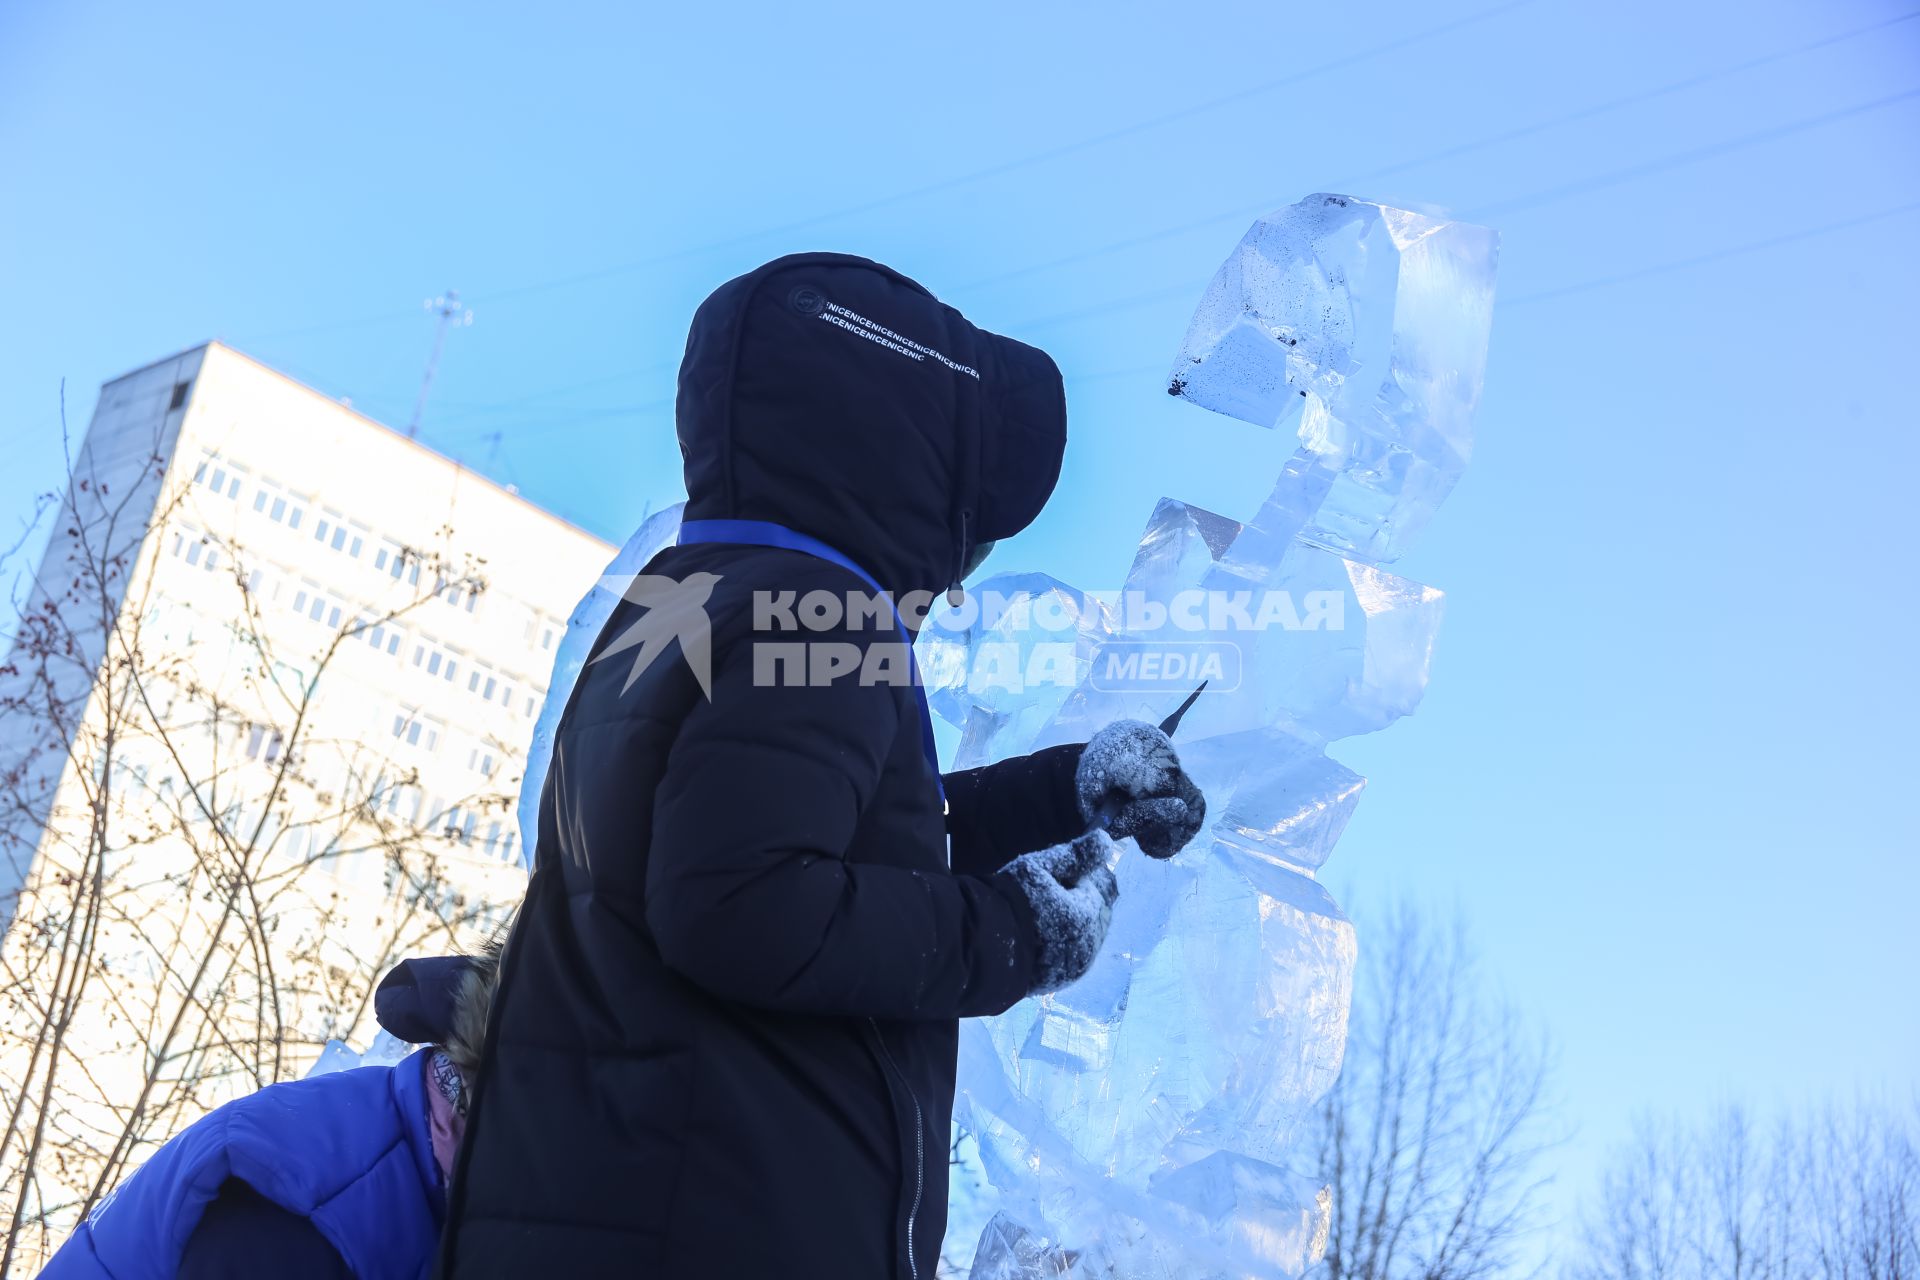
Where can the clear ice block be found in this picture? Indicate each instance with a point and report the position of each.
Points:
(1138, 1123)
(1001, 664)
(1369, 325)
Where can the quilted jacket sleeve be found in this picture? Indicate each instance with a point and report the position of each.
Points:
(749, 893)
(999, 811)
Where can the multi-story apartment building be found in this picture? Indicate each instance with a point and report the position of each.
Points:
(260, 729)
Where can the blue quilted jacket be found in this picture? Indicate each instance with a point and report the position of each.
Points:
(349, 1151)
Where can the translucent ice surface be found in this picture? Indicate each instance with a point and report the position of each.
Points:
(1366, 325)
(1139, 1123)
(385, 1051)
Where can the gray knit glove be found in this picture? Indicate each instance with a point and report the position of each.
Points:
(1071, 890)
(1130, 781)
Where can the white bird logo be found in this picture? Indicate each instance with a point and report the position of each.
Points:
(676, 609)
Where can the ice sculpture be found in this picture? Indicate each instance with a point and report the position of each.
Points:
(1371, 324)
(1137, 1124)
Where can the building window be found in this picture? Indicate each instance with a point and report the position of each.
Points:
(458, 824)
(263, 743)
(310, 603)
(180, 393)
(218, 475)
(278, 505)
(398, 562)
(384, 637)
(407, 798)
(416, 730)
(436, 661)
(335, 531)
(460, 595)
(326, 524)
(193, 546)
(482, 681)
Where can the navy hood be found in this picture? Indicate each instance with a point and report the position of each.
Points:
(839, 398)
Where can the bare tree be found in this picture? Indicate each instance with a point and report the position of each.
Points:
(1432, 1137)
(205, 871)
(1829, 1195)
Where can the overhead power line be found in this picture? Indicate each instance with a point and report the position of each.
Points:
(545, 425)
(1681, 159)
(1664, 164)
(1349, 184)
(1047, 156)
(1712, 255)
(550, 423)
(948, 184)
(1667, 163)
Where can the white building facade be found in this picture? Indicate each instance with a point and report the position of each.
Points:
(260, 732)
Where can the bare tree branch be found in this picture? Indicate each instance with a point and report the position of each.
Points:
(1431, 1139)
(209, 871)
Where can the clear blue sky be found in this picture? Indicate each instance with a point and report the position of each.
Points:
(1667, 764)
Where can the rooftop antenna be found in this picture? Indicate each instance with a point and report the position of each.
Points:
(452, 315)
(497, 463)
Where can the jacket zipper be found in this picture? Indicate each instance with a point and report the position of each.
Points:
(919, 1146)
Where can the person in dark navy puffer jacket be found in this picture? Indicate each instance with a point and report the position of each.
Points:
(335, 1177)
(723, 1043)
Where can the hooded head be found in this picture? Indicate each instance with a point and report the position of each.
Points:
(835, 396)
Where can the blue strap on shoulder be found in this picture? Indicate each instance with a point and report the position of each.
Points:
(764, 533)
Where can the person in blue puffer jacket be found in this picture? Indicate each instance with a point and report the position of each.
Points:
(336, 1177)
